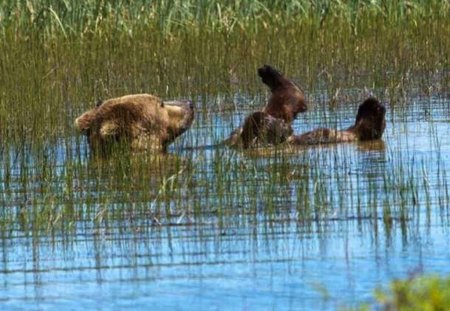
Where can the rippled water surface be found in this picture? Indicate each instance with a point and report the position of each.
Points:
(211, 228)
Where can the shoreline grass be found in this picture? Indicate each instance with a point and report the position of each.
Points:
(58, 60)
(63, 18)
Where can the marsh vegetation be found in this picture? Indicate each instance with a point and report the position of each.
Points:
(291, 227)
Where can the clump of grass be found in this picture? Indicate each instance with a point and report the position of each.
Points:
(416, 293)
(422, 293)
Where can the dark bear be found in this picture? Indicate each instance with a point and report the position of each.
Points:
(287, 99)
(370, 124)
(143, 121)
(272, 125)
(262, 128)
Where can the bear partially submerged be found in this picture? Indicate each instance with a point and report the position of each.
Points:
(261, 128)
(370, 124)
(142, 121)
(272, 125)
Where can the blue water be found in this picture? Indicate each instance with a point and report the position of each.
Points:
(301, 229)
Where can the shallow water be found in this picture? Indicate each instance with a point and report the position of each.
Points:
(212, 228)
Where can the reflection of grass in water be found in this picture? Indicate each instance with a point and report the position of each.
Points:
(47, 195)
(310, 185)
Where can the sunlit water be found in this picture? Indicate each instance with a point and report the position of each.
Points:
(309, 228)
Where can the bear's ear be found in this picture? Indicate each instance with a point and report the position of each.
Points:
(99, 102)
(162, 104)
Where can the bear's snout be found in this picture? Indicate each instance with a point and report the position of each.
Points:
(187, 103)
(183, 103)
(181, 116)
(191, 104)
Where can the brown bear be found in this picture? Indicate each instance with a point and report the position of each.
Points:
(369, 125)
(261, 128)
(287, 99)
(272, 125)
(143, 121)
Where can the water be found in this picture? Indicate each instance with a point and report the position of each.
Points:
(212, 228)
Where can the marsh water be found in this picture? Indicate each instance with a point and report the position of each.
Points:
(206, 227)
(209, 228)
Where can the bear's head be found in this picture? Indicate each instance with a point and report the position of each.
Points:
(370, 120)
(180, 114)
(143, 121)
(287, 99)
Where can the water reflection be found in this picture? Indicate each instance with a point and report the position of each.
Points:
(217, 228)
(267, 264)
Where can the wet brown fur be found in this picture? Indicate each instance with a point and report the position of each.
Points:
(272, 125)
(287, 99)
(370, 124)
(261, 128)
(142, 121)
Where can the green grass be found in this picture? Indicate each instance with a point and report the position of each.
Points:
(58, 87)
(416, 293)
(63, 18)
(58, 58)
